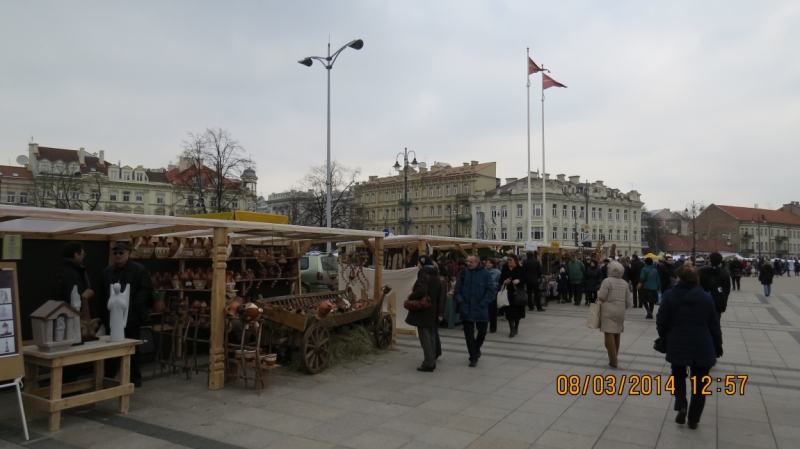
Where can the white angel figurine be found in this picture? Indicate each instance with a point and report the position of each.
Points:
(118, 302)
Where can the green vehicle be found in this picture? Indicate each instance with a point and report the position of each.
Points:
(317, 271)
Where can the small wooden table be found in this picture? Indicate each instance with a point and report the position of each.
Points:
(49, 398)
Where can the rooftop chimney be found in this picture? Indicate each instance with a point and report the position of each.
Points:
(510, 180)
(534, 175)
(575, 179)
(102, 156)
(82, 157)
(473, 162)
(547, 176)
(561, 177)
(33, 151)
(373, 178)
(598, 182)
(466, 164)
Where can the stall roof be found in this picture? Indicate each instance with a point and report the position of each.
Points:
(438, 242)
(44, 223)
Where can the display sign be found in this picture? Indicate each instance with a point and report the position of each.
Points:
(12, 247)
(11, 366)
(531, 246)
(555, 245)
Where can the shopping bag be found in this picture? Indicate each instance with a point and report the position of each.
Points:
(502, 297)
(520, 297)
(593, 319)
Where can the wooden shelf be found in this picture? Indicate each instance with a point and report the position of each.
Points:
(181, 290)
(293, 278)
(255, 258)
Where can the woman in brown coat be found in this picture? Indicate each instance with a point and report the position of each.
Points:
(614, 297)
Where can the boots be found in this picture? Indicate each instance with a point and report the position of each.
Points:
(514, 326)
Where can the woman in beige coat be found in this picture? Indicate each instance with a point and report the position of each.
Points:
(614, 297)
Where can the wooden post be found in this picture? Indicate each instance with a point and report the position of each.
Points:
(378, 284)
(216, 359)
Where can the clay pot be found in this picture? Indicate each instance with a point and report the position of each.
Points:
(187, 248)
(186, 282)
(158, 305)
(230, 309)
(209, 246)
(209, 277)
(282, 258)
(269, 359)
(146, 248)
(323, 310)
(240, 251)
(203, 307)
(174, 247)
(198, 248)
(248, 251)
(199, 284)
(195, 306)
(252, 312)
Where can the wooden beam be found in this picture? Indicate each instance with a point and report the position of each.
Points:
(42, 236)
(86, 228)
(151, 231)
(10, 217)
(462, 250)
(216, 362)
(369, 245)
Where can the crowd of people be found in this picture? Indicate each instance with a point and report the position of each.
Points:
(691, 300)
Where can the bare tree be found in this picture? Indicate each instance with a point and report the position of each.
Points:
(313, 203)
(212, 166)
(61, 188)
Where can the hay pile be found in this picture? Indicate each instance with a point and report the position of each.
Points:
(348, 344)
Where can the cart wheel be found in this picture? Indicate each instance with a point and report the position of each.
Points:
(316, 348)
(383, 331)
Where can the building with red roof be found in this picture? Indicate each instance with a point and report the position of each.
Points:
(752, 231)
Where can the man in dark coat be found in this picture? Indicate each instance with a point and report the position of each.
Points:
(636, 271)
(424, 320)
(473, 293)
(135, 277)
(533, 272)
(666, 272)
(716, 281)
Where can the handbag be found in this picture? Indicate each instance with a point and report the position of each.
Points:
(412, 305)
(520, 297)
(593, 319)
(660, 345)
(502, 297)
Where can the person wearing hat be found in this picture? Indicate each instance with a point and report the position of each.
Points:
(426, 320)
(135, 278)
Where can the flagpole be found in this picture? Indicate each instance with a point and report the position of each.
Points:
(544, 184)
(530, 206)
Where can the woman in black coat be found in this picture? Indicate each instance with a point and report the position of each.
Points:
(592, 282)
(765, 276)
(424, 320)
(688, 321)
(513, 278)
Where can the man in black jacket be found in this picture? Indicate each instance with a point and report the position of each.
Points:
(636, 271)
(666, 272)
(135, 277)
(533, 272)
(716, 281)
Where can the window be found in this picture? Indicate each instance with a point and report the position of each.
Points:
(537, 210)
(373, 215)
(126, 175)
(555, 233)
(600, 213)
(609, 213)
(616, 217)
(416, 193)
(140, 197)
(625, 214)
(23, 197)
(44, 167)
(564, 234)
(75, 194)
(61, 194)
(439, 228)
(537, 233)
(430, 212)
(126, 196)
(634, 216)
(439, 193)
(564, 211)
(455, 189)
(234, 203)
(555, 210)
(602, 236)
(416, 230)
(448, 190)
(625, 236)
(466, 187)
(386, 214)
(439, 214)
(635, 236)
(594, 213)
(504, 234)
(416, 211)
(11, 197)
(447, 231)
(140, 177)
(519, 233)
(594, 233)
(582, 212)
(430, 195)
(618, 236)
(494, 211)
(114, 174)
(504, 211)
(519, 210)
(574, 213)
(112, 195)
(159, 198)
(95, 195)
(189, 200)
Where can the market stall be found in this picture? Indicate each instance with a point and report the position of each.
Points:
(202, 263)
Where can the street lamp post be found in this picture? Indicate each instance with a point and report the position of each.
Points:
(694, 209)
(414, 164)
(327, 62)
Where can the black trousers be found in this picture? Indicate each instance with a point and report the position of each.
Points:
(591, 296)
(736, 282)
(534, 296)
(493, 316)
(474, 343)
(112, 365)
(577, 290)
(698, 399)
(648, 299)
(635, 296)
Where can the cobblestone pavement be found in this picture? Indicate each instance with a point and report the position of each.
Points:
(509, 401)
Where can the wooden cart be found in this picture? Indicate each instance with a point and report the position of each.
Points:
(312, 337)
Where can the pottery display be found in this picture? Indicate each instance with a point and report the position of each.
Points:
(187, 248)
(199, 284)
(174, 247)
(323, 309)
(198, 248)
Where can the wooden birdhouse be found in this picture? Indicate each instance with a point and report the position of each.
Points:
(56, 326)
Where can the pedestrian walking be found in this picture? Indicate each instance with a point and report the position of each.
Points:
(737, 270)
(649, 284)
(495, 273)
(533, 272)
(777, 267)
(796, 267)
(592, 282)
(577, 272)
(636, 270)
(427, 285)
(716, 281)
(563, 285)
(614, 297)
(786, 269)
(688, 321)
(513, 277)
(666, 273)
(765, 277)
(474, 293)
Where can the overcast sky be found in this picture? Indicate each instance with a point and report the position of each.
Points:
(683, 100)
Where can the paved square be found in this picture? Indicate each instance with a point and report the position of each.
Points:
(509, 400)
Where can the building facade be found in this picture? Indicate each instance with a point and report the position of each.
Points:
(752, 232)
(576, 213)
(16, 185)
(438, 199)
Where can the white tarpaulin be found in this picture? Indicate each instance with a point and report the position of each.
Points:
(401, 281)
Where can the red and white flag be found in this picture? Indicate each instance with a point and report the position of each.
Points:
(548, 82)
(532, 67)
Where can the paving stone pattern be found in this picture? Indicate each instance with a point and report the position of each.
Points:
(509, 400)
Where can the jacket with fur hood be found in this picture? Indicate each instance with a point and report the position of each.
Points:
(614, 297)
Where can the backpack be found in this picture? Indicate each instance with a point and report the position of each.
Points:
(715, 287)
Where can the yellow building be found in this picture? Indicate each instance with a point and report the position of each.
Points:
(438, 199)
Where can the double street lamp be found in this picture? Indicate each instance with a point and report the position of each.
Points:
(694, 209)
(397, 167)
(327, 62)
